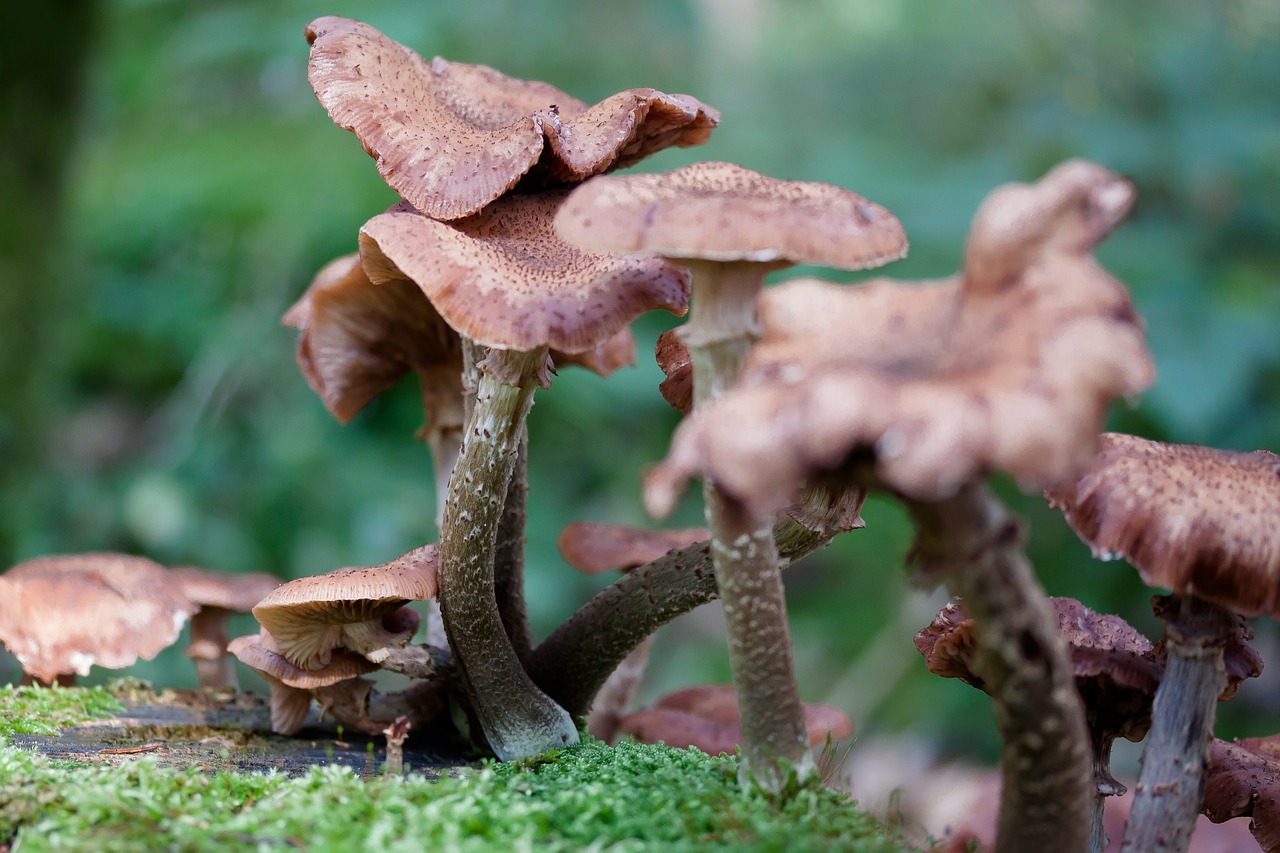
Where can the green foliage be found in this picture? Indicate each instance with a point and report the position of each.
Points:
(35, 710)
(591, 797)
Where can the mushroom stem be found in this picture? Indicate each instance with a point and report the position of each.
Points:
(972, 542)
(721, 328)
(208, 649)
(518, 719)
(612, 701)
(1104, 785)
(508, 560)
(1167, 797)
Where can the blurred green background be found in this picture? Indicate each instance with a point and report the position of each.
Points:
(171, 184)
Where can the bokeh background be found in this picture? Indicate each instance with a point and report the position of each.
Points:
(170, 185)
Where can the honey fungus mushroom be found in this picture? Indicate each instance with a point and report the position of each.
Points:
(924, 389)
(1243, 780)
(451, 138)
(62, 615)
(1201, 522)
(217, 596)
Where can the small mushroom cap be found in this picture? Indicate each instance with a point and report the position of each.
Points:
(723, 212)
(237, 593)
(937, 383)
(604, 359)
(1243, 780)
(1228, 630)
(1193, 519)
(342, 665)
(594, 548)
(305, 616)
(677, 367)
(707, 717)
(451, 137)
(357, 340)
(64, 614)
(505, 280)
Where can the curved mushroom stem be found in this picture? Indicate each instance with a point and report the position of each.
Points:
(444, 406)
(1104, 785)
(1047, 787)
(1167, 798)
(721, 328)
(573, 663)
(508, 558)
(208, 649)
(519, 720)
(611, 702)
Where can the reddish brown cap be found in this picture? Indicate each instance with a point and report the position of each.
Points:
(64, 614)
(1221, 628)
(1243, 780)
(1192, 519)
(306, 617)
(594, 548)
(673, 358)
(723, 212)
(606, 358)
(357, 340)
(503, 279)
(451, 137)
(936, 382)
(238, 593)
(707, 717)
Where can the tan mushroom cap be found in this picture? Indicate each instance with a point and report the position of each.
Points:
(593, 548)
(357, 339)
(306, 617)
(1193, 519)
(723, 212)
(452, 138)
(251, 651)
(1243, 780)
(64, 614)
(234, 592)
(937, 382)
(605, 359)
(505, 280)
(673, 358)
(707, 717)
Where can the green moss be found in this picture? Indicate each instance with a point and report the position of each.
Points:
(45, 711)
(628, 798)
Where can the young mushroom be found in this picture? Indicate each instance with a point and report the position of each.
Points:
(1198, 521)
(218, 596)
(63, 614)
(731, 226)
(1243, 780)
(923, 390)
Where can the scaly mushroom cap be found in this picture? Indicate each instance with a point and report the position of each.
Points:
(937, 383)
(1243, 780)
(306, 616)
(723, 212)
(707, 717)
(594, 548)
(677, 367)
(1196, 520)
(64, 614)
(504, 279)
(357, 340)
(451, 138)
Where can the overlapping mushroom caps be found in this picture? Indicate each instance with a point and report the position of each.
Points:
(451, 138)
(63, 614)
(1003, 367)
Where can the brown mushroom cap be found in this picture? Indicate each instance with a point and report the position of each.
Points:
(723, 212)
(677, 367)
(64, 614)
(937, 382)
(707, 717)
(251, 651)
(604, 359)
(306, 616)
(357, 339)
(451, 137)
(504, 279)
(1193, 519)
(1240, 660)
(237, 593)
(594, 548)
(1243, 780)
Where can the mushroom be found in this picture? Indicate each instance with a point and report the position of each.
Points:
(505, 281)
(451, 138)
(707, 717)
(1243, 780)
(359, 608)
(731, 226)
(673, 359)
(1198, 521)
(61, 615)
(924, 389)
(218, 596)
(1115, 668)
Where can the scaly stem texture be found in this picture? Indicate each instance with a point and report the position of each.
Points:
(508, 562)
(518, 719)
(1170, 788)
(719, 333)
(1046, 761)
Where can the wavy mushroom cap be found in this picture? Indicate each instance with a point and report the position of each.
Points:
(723, 212)
(936, 383)
(306, 616)
(593, 548)
(677, 367)
(451, 138)
(1243, 780)
(64, 614)
(505, 280)
(1197, 520)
